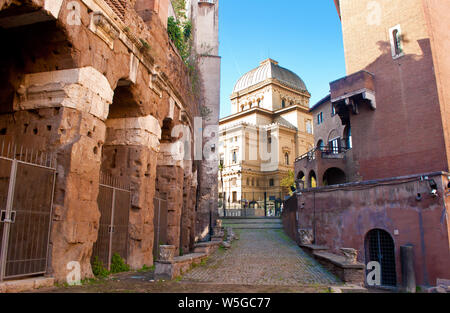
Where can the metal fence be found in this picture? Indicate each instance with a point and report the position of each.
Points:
(27, 180)
(253, 204)
(114, 202)
(160, 222)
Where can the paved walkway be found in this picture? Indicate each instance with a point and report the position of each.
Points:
(262, 257)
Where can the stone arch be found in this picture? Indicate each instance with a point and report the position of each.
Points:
(333, 135)
(37, 48)
(320, 144)
(334, 176)
(129, 153)
(379, 246)
(37, 71)
(312, 179)
(300, 180)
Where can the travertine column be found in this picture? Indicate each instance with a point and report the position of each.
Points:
(188, 211)
(64, 112)
(170, 174)
(130, 151)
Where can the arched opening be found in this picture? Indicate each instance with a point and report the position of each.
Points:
(300, 181)
(166, 131)
(397, 41)
(124, 103)
(312, 179)
(348, 137)
(334, 176)
(320, 145)
(334, 142)
(286, 158)
(283, 103)
(380, 247)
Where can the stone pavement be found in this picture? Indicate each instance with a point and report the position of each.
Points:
(262, 257)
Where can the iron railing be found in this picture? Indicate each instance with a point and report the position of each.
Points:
(253, 204)
(322, 152)
(27, 182)
(114, 203)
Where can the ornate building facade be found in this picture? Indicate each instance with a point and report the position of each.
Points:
(269, 127)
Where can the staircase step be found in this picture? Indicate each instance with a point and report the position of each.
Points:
(255, 226)
(251, 221)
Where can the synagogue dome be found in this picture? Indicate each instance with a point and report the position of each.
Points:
(269, 69)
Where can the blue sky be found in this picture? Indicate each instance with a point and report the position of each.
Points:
(302, 35)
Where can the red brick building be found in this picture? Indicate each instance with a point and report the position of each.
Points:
(391, 187)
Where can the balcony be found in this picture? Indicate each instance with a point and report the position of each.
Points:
(324, 153)
(351, 91)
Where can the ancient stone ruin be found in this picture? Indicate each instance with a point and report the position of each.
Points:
(99, 84)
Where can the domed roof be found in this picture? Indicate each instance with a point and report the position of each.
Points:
(270, 69)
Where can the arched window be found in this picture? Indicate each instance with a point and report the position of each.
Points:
(396, 41)
(320, 145)
(283, 103)
(396, 37)
(234, 157)
(286, 158)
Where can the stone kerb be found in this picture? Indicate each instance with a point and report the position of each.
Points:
(348, 271)
(169, 267)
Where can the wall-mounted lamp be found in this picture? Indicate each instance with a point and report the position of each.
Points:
(434, 187)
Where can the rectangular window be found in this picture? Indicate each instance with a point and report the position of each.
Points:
(395, 36)
(320, 118)
(234, 196)
(271, 182)
(333, 110)
(334, 145)
(309, 127)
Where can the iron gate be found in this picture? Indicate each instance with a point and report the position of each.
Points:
(27, 180)
(160, 222)
(381, 248)
(114, 203)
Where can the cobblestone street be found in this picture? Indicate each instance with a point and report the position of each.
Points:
(262, 257)
(261, 261)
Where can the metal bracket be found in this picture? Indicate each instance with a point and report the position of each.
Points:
(8, 219)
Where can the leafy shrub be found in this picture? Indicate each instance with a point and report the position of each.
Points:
(118, 265)
(179, 34)
(98, 269)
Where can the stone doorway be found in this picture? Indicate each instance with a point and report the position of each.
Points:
(380, 247)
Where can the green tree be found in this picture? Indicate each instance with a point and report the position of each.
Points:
(289, 181)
